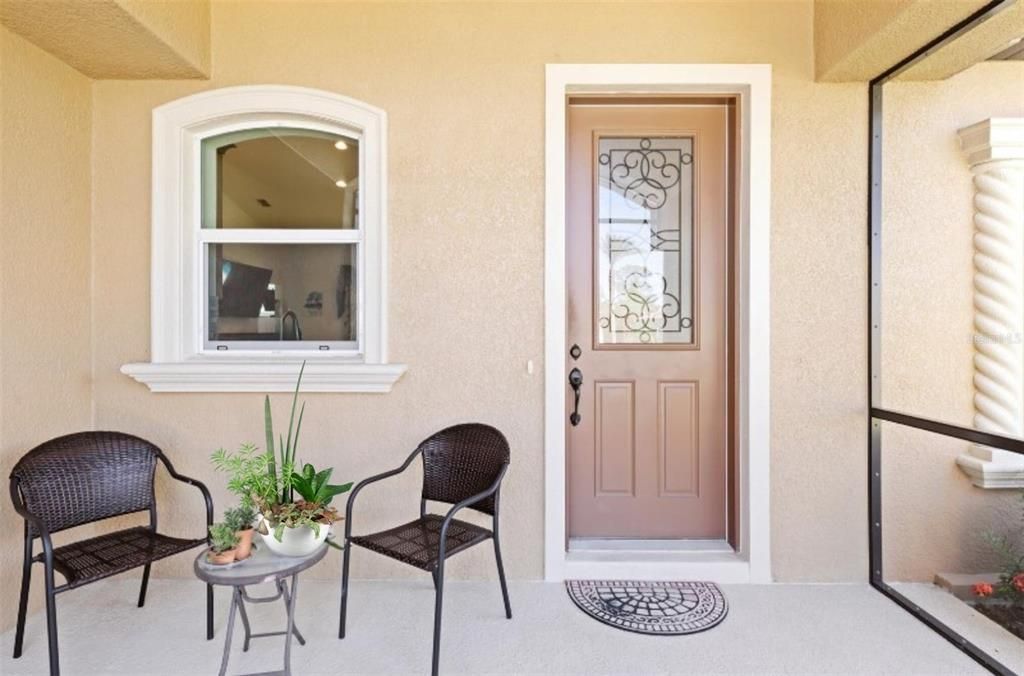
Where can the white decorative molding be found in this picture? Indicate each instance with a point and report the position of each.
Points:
(265, 376)
(990, 468)
(997, 138)
(995, 150)
(753, 85)
(180, 361)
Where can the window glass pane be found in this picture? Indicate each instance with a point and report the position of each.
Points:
(644, 212)
(281, 292)
(280, 178)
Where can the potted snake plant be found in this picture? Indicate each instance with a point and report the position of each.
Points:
(293, 502)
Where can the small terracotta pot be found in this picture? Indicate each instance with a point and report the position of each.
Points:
(244, 547)
(220, 558)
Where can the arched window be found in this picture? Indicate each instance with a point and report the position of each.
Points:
(269, 231)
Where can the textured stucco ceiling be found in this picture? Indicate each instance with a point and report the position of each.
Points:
(855, 40)
(107, 39)
(984, 41)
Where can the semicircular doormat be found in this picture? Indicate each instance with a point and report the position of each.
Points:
(661, 608)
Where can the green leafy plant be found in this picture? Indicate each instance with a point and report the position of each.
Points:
(222, 537)
(313, 486)
(248, 475)
(1010, 586)
(298, 514)
(241, 517)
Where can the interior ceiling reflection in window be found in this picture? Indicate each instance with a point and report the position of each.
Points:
(281, 178)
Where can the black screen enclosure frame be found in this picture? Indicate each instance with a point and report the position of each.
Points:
(879, 414)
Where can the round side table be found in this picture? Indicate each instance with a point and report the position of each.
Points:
(262, 566)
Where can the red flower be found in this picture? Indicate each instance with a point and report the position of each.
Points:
(982, 589)
(1018, 582)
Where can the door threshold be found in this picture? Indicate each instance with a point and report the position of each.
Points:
(643, 545)
(709, 566)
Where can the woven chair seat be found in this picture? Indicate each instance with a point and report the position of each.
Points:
(105, 555)
(416, 542)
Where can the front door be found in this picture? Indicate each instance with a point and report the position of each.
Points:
(648, 303)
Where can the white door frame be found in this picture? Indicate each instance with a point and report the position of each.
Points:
(752, 84)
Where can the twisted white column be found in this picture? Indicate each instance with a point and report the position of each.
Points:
(996, 152)
(999, 298)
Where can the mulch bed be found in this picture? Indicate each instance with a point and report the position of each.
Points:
(1009, 617)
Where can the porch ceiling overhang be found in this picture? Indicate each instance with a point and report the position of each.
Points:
(118, 39)
(856, 40)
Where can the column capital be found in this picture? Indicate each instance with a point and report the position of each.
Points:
(997, 138)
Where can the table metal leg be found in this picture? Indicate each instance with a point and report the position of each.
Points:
(290, 601)
(245, 623)
(287, 599)
(239, 596)
(235, 601)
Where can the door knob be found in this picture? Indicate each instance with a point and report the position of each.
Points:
(575, 381)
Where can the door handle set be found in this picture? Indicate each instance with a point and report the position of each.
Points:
(575, 382)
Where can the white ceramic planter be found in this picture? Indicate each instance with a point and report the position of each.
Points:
(301, 541)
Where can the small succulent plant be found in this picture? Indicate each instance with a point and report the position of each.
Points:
(222, 537)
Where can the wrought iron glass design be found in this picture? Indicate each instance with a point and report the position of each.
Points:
(644, 234)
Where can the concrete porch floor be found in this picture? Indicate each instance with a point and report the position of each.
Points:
(770, 629)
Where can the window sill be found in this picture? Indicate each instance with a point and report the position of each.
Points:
(321, 375)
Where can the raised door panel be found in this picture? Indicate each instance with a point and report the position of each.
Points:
(678, 439)
(614, 439)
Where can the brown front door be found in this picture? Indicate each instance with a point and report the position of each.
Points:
(648, 296)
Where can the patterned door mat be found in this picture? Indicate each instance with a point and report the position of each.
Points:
(662, 608)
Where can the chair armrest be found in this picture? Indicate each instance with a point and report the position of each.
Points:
(31, 519)
(366, 482)
(192, 482)
(472, 500)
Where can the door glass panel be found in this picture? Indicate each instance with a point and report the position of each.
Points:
(280, 178)
(644, 257)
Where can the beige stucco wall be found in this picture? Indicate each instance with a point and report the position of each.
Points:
(45, 271)
(934, 518)
(463, 85)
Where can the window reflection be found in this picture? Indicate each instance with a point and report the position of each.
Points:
(280, 178)
(282, 292)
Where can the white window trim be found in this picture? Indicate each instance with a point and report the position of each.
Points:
(177, 362)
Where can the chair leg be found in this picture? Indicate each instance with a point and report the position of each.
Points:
(51, 623)
(437, 618)
(26, 579)
(145, 584)
(209, 612)
(501, 577)
(344, 590)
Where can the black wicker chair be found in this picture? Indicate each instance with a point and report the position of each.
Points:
(79, 479)
(462, 465)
